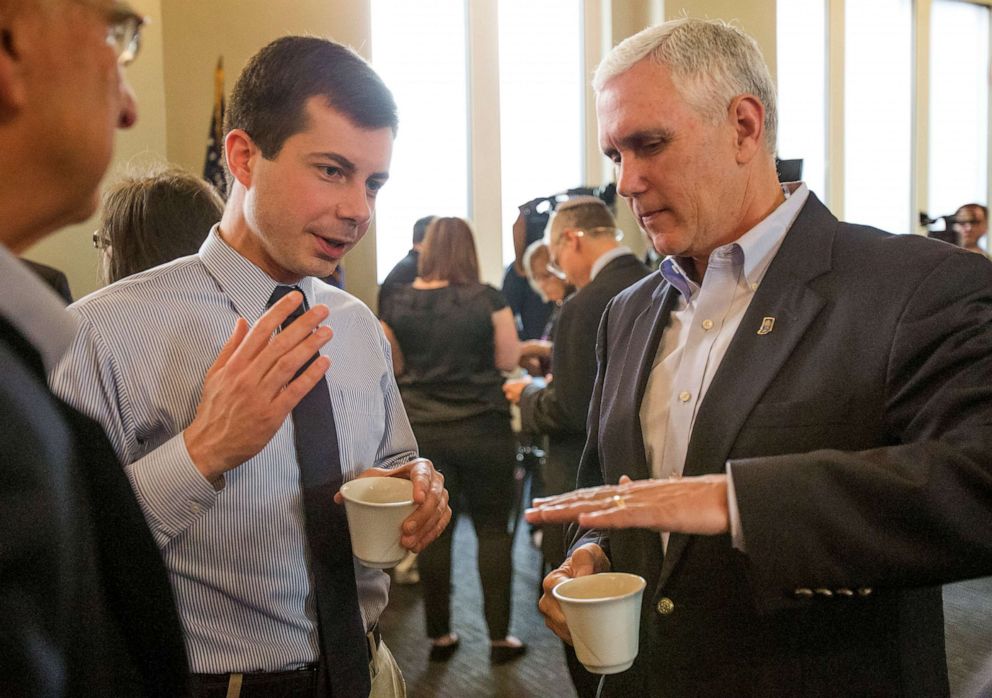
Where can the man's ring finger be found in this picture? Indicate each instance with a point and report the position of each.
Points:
(619, 502)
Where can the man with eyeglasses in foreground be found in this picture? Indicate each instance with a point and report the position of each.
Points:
(585, 249)
(85, 604)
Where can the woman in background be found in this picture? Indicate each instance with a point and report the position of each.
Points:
(152, 218)
(451, 337)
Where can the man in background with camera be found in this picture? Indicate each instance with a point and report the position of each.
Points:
(584, 247)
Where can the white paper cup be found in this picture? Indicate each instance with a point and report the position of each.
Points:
(603, 612)
(376, 507)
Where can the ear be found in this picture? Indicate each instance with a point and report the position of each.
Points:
(748, 116)
(241, 153)
(13, 93)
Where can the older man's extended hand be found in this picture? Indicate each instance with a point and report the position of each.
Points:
(432, 514)
(685, 505)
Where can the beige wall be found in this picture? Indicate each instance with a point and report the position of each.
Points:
(173, 79)
(71, 250)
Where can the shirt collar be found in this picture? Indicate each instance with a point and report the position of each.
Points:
(755, 249)
(35, 309)
(248, 287)
(606, 258)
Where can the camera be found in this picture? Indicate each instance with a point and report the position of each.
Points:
(536, 212)
(945, 233)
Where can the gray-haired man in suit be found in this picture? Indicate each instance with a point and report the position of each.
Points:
(792, 419)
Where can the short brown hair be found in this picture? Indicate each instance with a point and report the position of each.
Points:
(152, 218)
(269, 99)
(449, 253)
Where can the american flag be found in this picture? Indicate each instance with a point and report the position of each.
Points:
(213, 164)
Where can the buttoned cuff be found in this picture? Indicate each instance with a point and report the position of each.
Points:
(172, 493)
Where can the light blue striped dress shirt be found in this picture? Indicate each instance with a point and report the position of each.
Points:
(237, 558)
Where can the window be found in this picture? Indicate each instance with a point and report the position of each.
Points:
(959, 98)
(802, 75)
(541, 101)
(419, 50)
(878, 110)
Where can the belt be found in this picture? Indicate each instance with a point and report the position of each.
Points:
(302, 682)
(299, 682)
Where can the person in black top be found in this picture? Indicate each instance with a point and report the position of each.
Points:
(405, 270)
(451, 337)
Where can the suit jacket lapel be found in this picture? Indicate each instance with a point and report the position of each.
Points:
(752, 359)
(643, 342)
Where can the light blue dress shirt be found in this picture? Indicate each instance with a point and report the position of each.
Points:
(237, 558)
(702, 325)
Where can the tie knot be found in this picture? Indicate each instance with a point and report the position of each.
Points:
(281, 291)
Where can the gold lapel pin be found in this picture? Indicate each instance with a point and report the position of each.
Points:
(767, 324)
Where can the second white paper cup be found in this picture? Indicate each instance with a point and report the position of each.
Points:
(603, 612)
(376, 507)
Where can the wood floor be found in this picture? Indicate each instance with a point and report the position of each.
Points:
(541, 672)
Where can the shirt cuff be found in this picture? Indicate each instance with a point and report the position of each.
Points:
(734, 514)
(172, 493)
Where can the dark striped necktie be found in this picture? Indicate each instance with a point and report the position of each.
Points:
(343, 646)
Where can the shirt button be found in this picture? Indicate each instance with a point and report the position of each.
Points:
(195, 507)
(707, 324)
(803, 593)
(665, 606)
(685, 396)
(754, 287)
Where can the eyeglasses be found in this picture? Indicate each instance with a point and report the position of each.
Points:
(99, 241)
(124, 33)
(968, 221)
(554, 265)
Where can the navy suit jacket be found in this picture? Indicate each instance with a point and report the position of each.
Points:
(85, 603)
(859, 432)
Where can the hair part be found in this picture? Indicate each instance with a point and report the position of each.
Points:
(153, 217)
(269, 99)
(711, 62)
(449, 253)
(420, 228)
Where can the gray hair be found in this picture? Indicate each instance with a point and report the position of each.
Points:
(711, 62)
(537, 249)
(586, 212)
